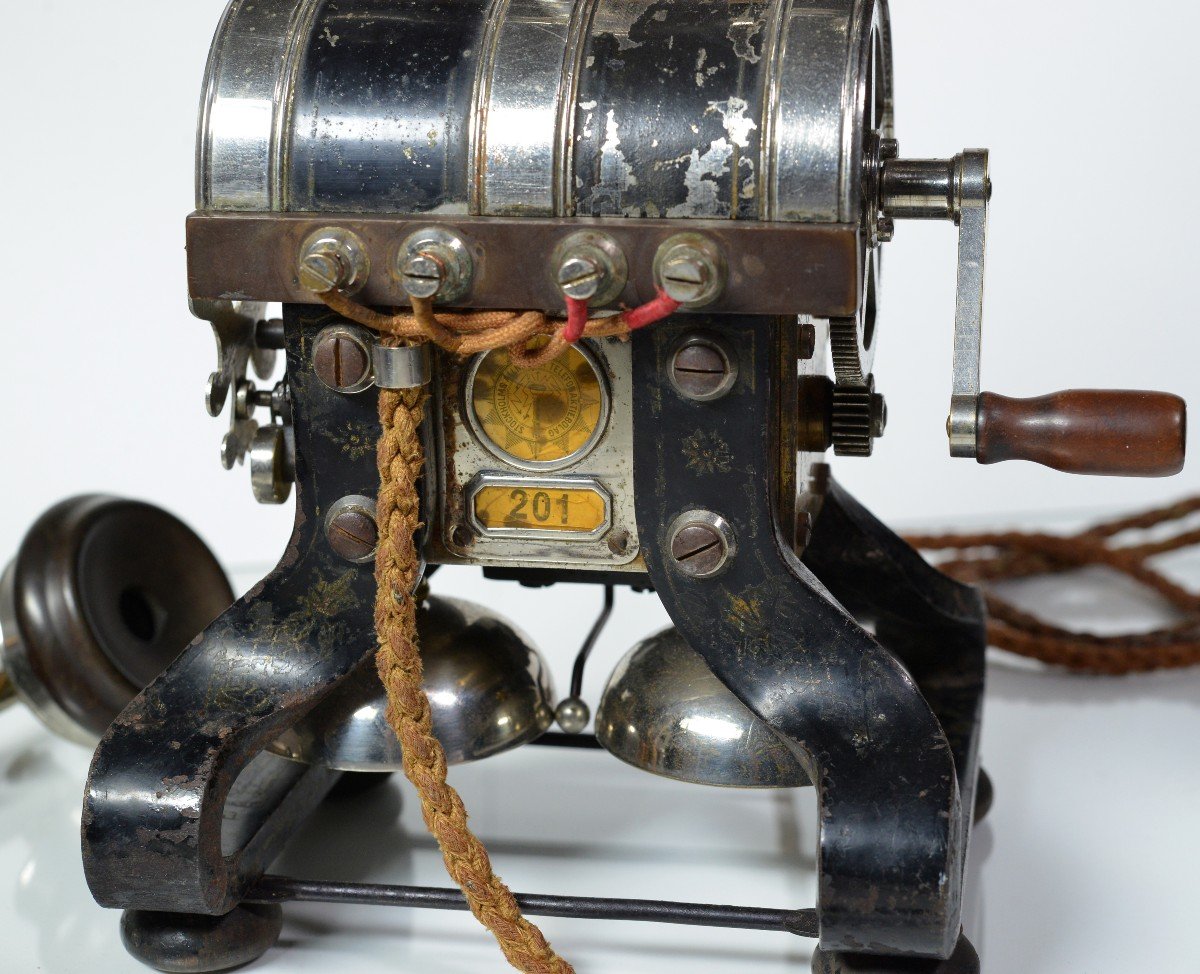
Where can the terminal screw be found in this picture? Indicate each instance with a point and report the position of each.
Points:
(580, 277)
(423, 275)
(332, 259)
(435, 263)
(690, 270)
(590, 266)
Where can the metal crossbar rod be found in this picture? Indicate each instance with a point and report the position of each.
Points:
(281, 889)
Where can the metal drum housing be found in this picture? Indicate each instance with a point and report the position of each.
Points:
(767, 111)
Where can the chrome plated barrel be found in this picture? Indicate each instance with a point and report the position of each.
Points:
(761, 110)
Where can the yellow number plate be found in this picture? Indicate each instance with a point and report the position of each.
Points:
(540, 507)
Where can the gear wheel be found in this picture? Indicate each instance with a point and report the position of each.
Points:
(845, 344)
(859, 418)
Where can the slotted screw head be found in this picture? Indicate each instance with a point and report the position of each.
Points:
(690, 269)
(702, 370)
(332, 258)
(351, 529)
(321, 271)
(342, 361)
(580, 277)
(701, 544)
(423, 275)
(687, 275)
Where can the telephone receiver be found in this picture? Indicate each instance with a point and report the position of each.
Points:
(105, 593)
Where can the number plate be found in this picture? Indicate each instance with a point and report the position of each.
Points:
(566, 508)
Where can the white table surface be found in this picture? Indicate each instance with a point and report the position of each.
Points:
(1087, 864)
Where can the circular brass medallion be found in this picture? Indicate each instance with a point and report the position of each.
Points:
(538, 419)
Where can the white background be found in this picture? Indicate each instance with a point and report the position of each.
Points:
(1089, 107)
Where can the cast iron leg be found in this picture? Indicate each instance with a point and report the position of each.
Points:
(936, 626)
(184, 809)
(891, 839)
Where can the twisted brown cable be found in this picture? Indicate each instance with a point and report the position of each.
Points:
(991, 557)
(474, 332)
(401, 458)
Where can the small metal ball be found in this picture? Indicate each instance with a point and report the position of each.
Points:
(573, 716)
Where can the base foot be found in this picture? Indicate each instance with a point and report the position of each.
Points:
(176, 943)
(964, 960)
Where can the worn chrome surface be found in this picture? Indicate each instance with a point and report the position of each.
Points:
(242, 117)
(434, 262)
(607, 461)
(489, 691)
(525, 79)
(763, 110)
(832, 87)
(664, 711)
(400, 367)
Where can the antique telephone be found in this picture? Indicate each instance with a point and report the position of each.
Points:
(710, 185)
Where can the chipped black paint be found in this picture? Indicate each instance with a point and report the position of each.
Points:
(669, 113)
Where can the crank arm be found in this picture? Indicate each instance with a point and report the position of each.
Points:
(1105, 432)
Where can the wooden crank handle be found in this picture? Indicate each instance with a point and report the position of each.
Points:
(1105, 432)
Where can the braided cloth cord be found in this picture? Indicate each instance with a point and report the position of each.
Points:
(401, 459)
(990, 557)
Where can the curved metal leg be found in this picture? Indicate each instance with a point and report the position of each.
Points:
(936, 626)
(892, 834)
(182, 943)
(183, 809)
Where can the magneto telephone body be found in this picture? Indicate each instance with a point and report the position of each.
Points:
(737, 160)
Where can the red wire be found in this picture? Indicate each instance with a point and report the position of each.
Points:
(647, 314)
(577, 319)
(650, 312)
